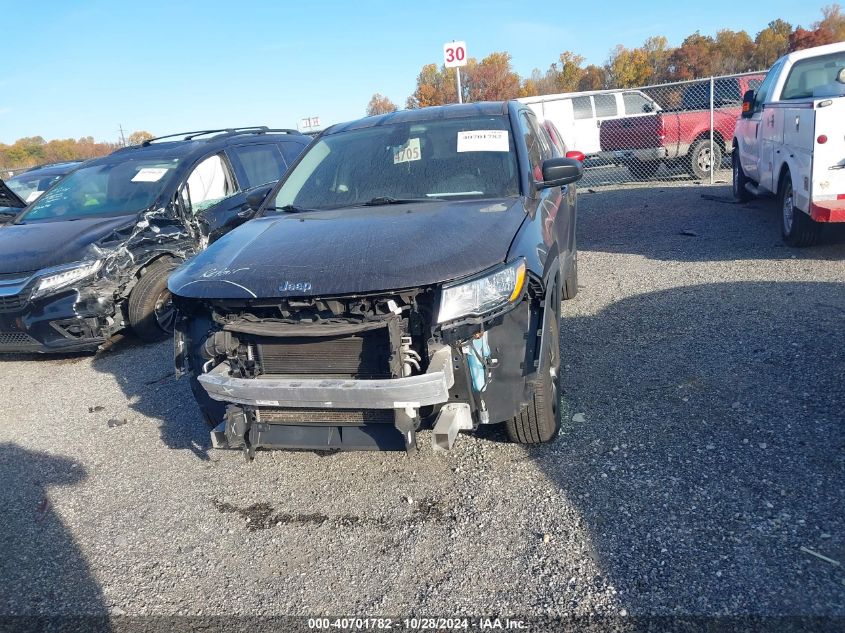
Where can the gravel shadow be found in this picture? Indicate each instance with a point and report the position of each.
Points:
(712, 448)
(44, 575)
(691, 224)
(145, 374)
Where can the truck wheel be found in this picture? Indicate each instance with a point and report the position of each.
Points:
(699, 158)
(643, 169)
(151, 312)
(798, 228)
(539, 422)
(741, 194)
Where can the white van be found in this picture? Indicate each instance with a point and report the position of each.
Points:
(578, 115)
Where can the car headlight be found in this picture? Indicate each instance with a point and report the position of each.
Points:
(62, 276)
(483, 294)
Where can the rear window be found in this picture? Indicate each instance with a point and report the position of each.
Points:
(816, 77)
(582, 108)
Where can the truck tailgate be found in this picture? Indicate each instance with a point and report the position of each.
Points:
(636, 132)
(828, 188)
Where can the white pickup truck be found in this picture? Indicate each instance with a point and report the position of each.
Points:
(790, 141)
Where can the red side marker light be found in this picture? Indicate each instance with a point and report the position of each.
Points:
(579, 156)
(822, 139)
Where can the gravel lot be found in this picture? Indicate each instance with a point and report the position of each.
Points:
(703, 448)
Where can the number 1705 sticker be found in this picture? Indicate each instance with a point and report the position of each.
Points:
(408, 152)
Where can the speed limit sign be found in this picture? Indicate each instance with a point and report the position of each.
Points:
(455, 54)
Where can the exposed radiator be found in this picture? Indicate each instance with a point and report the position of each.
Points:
(363, 355)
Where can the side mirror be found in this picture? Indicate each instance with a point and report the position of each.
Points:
(579, 156)
(558, 172)
(647, 107)
(253, 202)
(747, 104)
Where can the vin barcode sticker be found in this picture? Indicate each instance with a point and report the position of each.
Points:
(483, 141)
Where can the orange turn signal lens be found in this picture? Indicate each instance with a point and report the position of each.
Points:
(520, 282)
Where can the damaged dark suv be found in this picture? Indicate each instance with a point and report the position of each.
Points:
(92, 254)
(407, 271)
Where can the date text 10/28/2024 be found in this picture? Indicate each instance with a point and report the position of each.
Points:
(418, 624)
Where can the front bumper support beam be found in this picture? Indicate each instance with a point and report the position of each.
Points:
(411, 392)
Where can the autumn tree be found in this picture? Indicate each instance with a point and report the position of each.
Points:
(491, 79)
(592, 78)
(136, 138)
(771, 43)
(435, 86)
(657, 53)
(34, 150)
(379, 104)
(733, 52)
(628, 68)
(828, 30)
(693, 58)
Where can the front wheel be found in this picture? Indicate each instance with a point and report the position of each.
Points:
(700, 158)
(741, 194)
(150, 307)
(539, 422)
(797, 228)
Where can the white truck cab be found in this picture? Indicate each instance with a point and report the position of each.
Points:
(579, 115)
(790, 141)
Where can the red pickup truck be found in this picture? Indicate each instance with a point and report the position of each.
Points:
(681, 134)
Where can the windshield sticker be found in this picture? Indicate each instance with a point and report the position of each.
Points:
(32, 197)
(410, 151)
(149, 174)
(483, 141)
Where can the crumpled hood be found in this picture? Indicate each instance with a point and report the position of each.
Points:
(31, 247)
(353, 250)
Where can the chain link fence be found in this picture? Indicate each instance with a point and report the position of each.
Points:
(667, 132)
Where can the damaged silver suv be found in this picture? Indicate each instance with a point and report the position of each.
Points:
(407, 271)
(92, 254)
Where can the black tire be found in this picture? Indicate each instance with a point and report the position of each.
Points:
(798, 228)
(698, 159)
(151, 312)
(741, 194)
(539, 422)
(570, 281)
(196, 332)
(643, 169)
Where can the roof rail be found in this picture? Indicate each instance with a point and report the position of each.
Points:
(220, 133)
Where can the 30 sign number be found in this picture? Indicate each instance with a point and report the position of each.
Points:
(455, 54)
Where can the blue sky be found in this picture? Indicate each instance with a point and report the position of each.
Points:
(78, 68)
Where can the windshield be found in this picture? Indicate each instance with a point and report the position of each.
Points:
(816, 77)
(451, 158)
(29, 187)
(111, 189)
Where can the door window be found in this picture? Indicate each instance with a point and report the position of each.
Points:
(605, 105)
(762, 95)
(582, 107)
(210, 182)
(291, 150)
(539, 148)
(260, 163)
(635, 103)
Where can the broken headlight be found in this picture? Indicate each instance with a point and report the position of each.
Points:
(53, 279)
(483, 294)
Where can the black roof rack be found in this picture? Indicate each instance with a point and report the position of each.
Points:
(221, 133)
